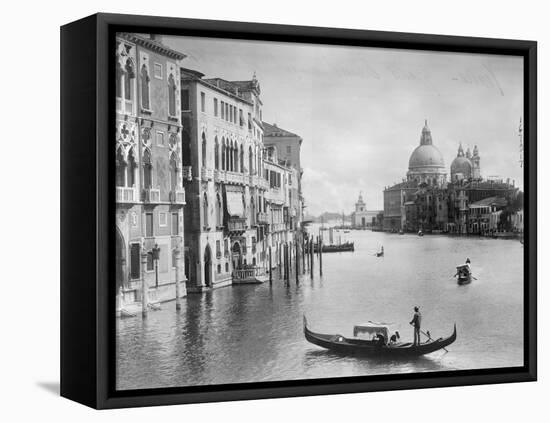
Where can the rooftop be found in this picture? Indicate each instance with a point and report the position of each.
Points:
(272, 130)
(153, 45)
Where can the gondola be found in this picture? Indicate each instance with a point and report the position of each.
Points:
(380, 254)
(357, 346)
(463, 274)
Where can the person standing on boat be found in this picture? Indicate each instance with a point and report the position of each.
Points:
(416, 321)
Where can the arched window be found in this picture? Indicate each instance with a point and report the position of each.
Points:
(145, 88)
(219, 211)
(252, 211)
(250, 161)
(203, 150)
(232, 157)
(173, 172)
(226, 158)
(223, 154)
(236, 157)
(216, 154)
(131, 169)
(119, 80)
(120, 169)
(205, 210)
(171, 96)
(147, 170)
(241, 159)
(128, 81)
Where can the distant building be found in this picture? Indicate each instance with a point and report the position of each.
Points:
(361, 217)
(288, 151)
(467, 204)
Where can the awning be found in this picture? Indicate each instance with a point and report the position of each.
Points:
(234, 202)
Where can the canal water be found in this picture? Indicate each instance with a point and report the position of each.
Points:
(254, 333)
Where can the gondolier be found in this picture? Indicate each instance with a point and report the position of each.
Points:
(416, 322)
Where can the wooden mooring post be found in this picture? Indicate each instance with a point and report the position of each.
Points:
(270, 267)
(321, 256)
(297, 263)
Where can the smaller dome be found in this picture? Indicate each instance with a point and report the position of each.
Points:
(462, 165)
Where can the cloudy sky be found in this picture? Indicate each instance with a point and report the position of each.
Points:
(360, 111)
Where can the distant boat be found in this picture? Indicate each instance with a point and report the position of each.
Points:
(346, 231)
(378, 347)
(463, 274)
(420, 233)
(401, 232)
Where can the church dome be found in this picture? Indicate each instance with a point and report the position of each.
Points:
(461, 164)
(426, 155)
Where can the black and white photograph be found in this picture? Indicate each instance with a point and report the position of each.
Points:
(292, 211)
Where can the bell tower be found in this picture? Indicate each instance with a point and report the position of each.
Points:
(360, 206)
(476, 169)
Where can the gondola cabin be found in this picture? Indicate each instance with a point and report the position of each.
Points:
(463, 274)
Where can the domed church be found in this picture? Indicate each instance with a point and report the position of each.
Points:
(426, 163)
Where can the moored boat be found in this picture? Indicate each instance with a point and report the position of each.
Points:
(335, 248)
(377, 348)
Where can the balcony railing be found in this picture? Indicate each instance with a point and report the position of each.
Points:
(126, 195)
(276, 227)
(177, 196)
(150, 195)
(187, 173)
(206, 174)
(262, 218)
(236, 224)
(218, 176)
(250, 273)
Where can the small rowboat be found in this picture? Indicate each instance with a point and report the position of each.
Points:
(463, 274)
(380, 254)
(358, 346)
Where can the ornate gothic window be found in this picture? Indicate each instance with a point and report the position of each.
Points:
(147, 170)
(131, 169)
(205, 210)
(120, 169)
(216, 154)
(219, 211)
(171, 96)
(203, 150)
(145, 103)
(223, 154)
(173, 172)
(241, 159)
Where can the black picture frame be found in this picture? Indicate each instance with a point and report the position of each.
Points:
(87, 204)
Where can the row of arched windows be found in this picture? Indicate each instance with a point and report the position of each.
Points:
(126, 168)
(230, 156)
(125, 87)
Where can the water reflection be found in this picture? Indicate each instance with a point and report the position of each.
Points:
(254, 333)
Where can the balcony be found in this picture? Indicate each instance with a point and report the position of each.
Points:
(177, 196)
(263, 183)
(186, 173)
(218, 176)
(236, 224)
(126, 195)
(206, 174)
(262, 218)
(150, 195)
(235, 178)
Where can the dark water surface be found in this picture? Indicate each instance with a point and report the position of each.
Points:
(254, 333)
